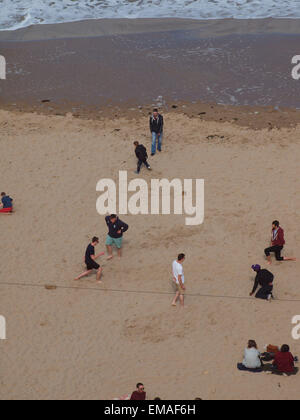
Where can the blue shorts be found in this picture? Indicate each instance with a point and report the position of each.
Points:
(114, 241)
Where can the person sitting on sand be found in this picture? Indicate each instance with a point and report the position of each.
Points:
(264, 279)
(6, 205)
(277, 244)
(142, 155)
(156, 128)
(252, 361)
(90, 260)
(178, 278)
(116, 229)
(139, 394)
(284, 362)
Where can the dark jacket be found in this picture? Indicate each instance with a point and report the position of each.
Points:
(264, 279)
(141, 153)
(157, 125)
(7, 202)
(279, 238)
(113, 228)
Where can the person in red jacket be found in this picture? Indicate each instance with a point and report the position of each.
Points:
(277, 244)
(284, 362)
(139, 394)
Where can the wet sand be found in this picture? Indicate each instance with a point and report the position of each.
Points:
(129, 64)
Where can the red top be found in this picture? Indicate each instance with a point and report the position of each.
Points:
(138, 396)
(278, 238)
(284, 362)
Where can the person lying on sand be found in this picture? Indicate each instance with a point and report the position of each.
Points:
(264, 279)
(142, 155)
(277, 244)
(90, 260)
(6, 206)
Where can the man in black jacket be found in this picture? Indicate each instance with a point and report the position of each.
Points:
(142, 155)
(116, 228)
(264, 278)
(156, 128)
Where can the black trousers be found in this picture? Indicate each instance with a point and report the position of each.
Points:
(140, 163)
(264, 292)
(277, 250)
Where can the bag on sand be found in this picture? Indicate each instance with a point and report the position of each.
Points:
(272, 349)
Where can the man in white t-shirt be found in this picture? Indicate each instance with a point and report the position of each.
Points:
(178, 278)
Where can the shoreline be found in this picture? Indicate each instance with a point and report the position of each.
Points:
(109, 67)
(110, 27)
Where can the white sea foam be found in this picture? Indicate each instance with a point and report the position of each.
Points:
(16, 14)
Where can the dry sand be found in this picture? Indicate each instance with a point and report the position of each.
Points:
(96, 343)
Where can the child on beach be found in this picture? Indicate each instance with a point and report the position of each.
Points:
(142, 155)
(6, 205)
(277, 244)
(90, 260)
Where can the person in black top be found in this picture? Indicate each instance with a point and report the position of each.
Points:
(90, 260)
(156, 128)
(264, 278)
(116, 228)
(142, 155)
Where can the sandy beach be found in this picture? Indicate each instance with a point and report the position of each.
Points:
(76, 97)
(83, 341)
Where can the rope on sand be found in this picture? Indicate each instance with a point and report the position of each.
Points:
(140, 292)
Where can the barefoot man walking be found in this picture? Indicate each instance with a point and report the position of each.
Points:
(178, 278)
(90, 260)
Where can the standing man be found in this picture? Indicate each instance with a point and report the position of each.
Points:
(264, 279)
(178, 278)
(277, 244)
(142, 155)
(156, 128)
(116, 228)
(90, 260)
(6, 203)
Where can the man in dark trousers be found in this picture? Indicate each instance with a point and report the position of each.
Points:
(156, 128)
(264, 279)
(277, 244)
(116, 228)
(142, 155)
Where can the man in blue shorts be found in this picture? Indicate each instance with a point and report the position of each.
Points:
(116, 228)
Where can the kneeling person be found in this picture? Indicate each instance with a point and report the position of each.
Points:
(264, 278)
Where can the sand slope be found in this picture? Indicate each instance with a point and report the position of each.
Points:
(98, 343)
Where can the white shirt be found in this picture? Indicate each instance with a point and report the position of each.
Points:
(178, 271)
(252, 360)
